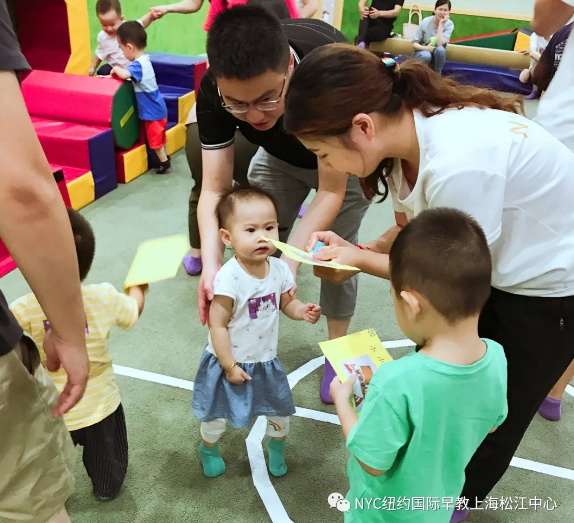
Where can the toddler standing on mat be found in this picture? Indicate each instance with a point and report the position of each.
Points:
(426, 413)
(152, 110)
(239, 376)
(97, 422)
(108, 50)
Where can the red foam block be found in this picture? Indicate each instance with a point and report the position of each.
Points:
(71, 98)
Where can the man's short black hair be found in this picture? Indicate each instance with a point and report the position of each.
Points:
(227, 200)
(132, 32)
(85, 242)
(246, 41)
(276, 7)
(443, 255)
(105, 6)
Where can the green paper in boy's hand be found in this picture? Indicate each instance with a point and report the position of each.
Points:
(157, 260)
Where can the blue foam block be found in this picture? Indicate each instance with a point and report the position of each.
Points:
(103, 162)
(318, 245)
(175, 70)
(171, 95)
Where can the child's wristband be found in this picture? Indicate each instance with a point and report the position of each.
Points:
(362, 247)
(231, 368)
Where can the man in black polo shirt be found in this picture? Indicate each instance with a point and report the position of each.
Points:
(36, 452)
(251, 57)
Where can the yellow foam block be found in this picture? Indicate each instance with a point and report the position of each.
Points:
(82, 191)
(185, 103)
(176, 137)
(79, 28)
(135, 163)
(522, 42)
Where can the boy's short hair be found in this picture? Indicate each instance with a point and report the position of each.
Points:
(132, 32)
(85, 241)
(443, 255)
(105, 6)
(245, 42)
(227, 200)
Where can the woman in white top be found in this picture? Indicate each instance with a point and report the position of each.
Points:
(432, 36)
(556, 114)
(430, 142)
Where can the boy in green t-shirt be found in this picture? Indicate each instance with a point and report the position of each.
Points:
(426, 414)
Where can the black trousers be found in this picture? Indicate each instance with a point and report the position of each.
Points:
(373, 30)
(105, 453)
(538, 338)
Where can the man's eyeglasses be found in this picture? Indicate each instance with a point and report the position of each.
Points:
(242, 108)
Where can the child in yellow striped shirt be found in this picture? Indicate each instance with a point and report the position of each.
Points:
(97, 422)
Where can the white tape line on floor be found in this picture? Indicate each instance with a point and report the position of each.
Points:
(570, 390)
(549, 470)
(260, 476)
(153, 377)
(317, 415)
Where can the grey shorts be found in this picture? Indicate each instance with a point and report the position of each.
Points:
(290, 186)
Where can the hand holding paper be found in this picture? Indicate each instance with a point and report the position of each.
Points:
(156, 260)
(306, 257)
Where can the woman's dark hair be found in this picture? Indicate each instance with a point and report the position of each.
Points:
(338, 81)
(443, 2)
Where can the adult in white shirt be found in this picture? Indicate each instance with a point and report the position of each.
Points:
(556, 115)
(430, 143)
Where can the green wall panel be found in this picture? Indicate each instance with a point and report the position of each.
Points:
(464, 25)
(181, 34)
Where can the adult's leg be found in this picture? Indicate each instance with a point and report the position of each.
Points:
(243, 154)
(338, 301)
(423, 56)
(522, 325)
(288, 185)
(36, 451)
(377, 32)
(61, 517)
(363, 28)
(106, 454)
(439, 59)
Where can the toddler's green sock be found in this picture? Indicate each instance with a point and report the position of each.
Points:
(213, 464)
(277, 465)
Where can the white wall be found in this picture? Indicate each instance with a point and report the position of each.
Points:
(522, 7)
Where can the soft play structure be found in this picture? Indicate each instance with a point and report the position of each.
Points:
(492, 60)
(54, 34)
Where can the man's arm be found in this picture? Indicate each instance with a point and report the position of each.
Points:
(35, 226)
(551, 15)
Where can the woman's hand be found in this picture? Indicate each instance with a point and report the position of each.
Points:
(329, 238)
(158, 12)
(430, 48)
(349, 255)
(364, 12)
(374, 13)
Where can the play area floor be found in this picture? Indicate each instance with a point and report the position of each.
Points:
(156, 363)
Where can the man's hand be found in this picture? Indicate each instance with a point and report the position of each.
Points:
(237, 375)
(74, 359)
(205, 293)
(341, 392)
(311, 313)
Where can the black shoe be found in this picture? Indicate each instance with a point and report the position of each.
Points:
(164, 167)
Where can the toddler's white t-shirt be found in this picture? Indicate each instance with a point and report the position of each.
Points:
(108, 50)
(514, 178)
(254, 324)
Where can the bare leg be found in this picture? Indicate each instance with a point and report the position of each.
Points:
(61, 517)
(338, 328)
(161, 154)
(558, 390)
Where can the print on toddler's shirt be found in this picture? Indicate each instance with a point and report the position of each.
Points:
(263, 306)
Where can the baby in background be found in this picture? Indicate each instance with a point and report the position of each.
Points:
(108, 50)
(97, 422)
(427, 413)
(152, 110)
(239, 376)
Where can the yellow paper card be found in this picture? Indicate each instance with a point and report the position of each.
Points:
(361, 353)
(306, 257)
(157, 260)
